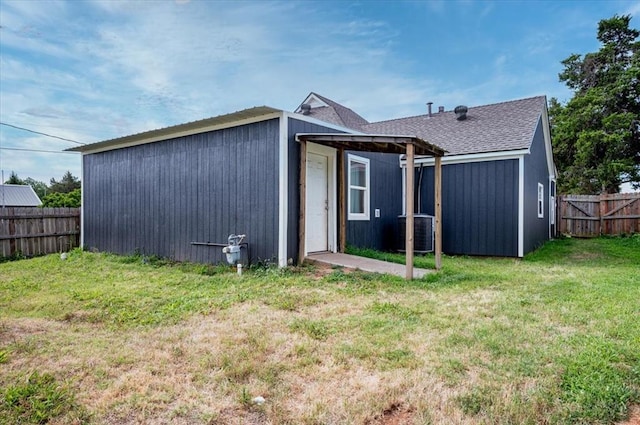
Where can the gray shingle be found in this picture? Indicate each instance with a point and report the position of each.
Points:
(489, 128)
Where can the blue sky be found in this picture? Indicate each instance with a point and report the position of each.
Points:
(95, 70)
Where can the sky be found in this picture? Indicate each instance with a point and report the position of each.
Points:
(93, 70)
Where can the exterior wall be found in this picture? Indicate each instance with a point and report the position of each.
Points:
(479, 207)
(386, 195)
(297, 126)
(536, 230)
(159, 197)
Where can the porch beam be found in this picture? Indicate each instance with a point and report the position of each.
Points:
(409, 191)
(303, 201)
(342, 205)
(438, 210)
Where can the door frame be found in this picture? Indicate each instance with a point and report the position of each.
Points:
(332, 236)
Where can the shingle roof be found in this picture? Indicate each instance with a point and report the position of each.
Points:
(489, 128)
(336, 113)
(14, 195)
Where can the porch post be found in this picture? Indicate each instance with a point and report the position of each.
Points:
(409, 211)
(438, 211)
(303, 201)
(342, 205)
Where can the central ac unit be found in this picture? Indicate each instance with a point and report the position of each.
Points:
(423, 233)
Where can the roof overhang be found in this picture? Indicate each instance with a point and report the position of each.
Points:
(254, 114)
(382, 143)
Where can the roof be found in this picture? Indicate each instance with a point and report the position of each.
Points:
(327, 110)
(489, 128)
(179, 130)
(16, 195)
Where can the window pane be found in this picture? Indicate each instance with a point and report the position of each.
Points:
(356, 201)
(358, 174)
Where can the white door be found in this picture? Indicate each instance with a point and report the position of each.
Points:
(317, 203)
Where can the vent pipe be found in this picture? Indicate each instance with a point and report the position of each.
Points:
(306, 109)
(429, 108)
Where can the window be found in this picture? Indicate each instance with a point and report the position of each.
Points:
(358, 197)
(540, 200)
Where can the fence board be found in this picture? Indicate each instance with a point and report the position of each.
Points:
(595, 215)
(36, 231)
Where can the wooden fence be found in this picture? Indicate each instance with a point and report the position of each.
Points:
(37, 231)
(595, 215)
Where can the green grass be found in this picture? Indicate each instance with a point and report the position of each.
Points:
(552, 338)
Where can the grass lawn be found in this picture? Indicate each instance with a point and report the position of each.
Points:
(551, 339)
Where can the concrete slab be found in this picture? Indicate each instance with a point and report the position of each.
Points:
(364, 264)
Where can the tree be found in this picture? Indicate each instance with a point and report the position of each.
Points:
(68, 183)
(596, 135)
(14, 179)
(59, 199)
(39, 187)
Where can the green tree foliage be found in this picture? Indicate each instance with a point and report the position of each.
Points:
(58, 199)
(67, 184)
(39, 187)
(596, 135)
(14, 179)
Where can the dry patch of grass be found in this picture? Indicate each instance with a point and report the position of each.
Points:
(483, 341)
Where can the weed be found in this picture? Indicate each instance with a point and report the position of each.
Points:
(315, 329)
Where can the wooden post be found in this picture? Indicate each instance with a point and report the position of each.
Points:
(438, 210)
(602, 211)
(409, 214)
(303, 201)
(342, 205)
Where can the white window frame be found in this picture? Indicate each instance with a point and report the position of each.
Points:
(367, 189)
(540, 200)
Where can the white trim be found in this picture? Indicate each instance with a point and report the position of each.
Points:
(190, 132)
(553, 219)
(332, 228)
(312, 120)
(540, 193)
(404, 190)
(283, 192)
(312, 100)
(365, 216)
(521, 206)
(472, 157)
(82, 201)
(547, 141)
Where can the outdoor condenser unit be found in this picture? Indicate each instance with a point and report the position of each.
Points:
(423, 233)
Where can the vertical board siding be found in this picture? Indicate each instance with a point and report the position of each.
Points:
(31, 231)
(297, 126)
(479, 207)
(595, 215)
(536, 230)
(159, 197)
(385, 194)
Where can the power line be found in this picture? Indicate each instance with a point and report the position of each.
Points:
(33, 150)
(43, 134)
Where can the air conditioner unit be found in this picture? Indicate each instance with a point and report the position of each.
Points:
(423, 233)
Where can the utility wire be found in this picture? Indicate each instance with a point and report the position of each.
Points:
(33, 150)
(43, 134)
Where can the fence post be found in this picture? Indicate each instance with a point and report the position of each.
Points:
(602, 210)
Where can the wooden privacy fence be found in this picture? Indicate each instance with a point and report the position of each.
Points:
(35, 231)
(595, 215)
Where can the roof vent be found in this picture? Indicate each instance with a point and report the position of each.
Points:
(429, 107)
(461, 112)
(306, 108)
(440, 109)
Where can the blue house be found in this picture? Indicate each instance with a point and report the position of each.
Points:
(160, 191)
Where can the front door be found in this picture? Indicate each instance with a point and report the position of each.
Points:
(317, 203)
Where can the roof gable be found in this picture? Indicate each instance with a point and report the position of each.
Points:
(16, 195)
(325, 109)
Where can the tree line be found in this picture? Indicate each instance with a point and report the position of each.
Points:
(58, 193)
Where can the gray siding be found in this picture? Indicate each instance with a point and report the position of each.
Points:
(293, 215)
(386, 195)
(479, 207)
(158, 197)
(536, 230)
